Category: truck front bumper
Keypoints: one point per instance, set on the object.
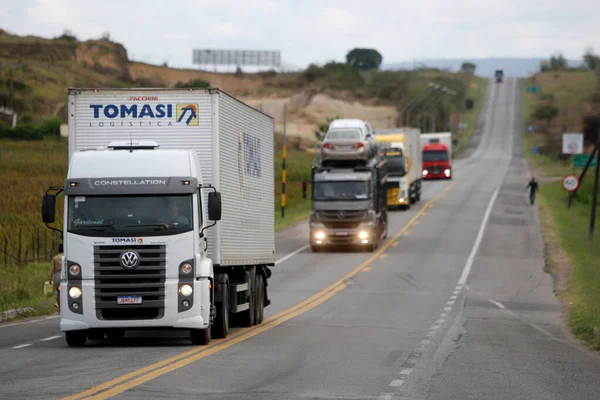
(196, 317)
(362, 235)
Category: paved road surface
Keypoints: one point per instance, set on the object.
(453, 306)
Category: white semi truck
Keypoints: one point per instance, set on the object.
(168, 213)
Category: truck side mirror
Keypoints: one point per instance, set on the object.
(48, 208)
(214, 206)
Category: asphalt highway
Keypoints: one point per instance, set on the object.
(454, 305)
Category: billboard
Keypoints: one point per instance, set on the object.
(237, 57)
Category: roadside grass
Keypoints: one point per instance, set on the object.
(22, 287)
(298, 169)
(571, 228)
(568, 227)
(475, 91)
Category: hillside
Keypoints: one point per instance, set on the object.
(35, 74)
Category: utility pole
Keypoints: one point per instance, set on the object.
(595, 196)
(283, 157)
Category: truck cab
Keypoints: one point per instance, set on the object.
(499, 74)
(436, 162)
(348, 207)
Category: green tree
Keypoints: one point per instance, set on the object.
(591, 59)
(545, 112)
(364, 59)
(468, 67)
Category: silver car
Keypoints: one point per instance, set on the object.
(349, 139)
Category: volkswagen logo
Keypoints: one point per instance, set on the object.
(341, 215)
(130, 259)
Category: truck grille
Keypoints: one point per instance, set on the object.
(147, 280)
(436, 170)
(343, 219)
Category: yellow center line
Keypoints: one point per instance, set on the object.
(122, 383)
(366, 269)
(382, 256)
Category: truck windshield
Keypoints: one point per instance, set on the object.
(396, 165)
(435, 155)
(341, 190)
(130, 215)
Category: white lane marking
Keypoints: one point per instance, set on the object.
(28, 322)
(497, 304)
(435, 327)
(50, 338)
(453, 297)
(425, 342)
(440, 321)
(459, 287)
(386, 396)
(467, 269)
(450, 302)
(405, 371)
(397, 382)
(447, 308)
(22, 345)
(292, 254)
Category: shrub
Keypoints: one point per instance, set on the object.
(195, 83)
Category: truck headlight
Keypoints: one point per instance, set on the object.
(75, 292)
(185, 290)
(186, 268)
(363, 234)
(320, 235)
(425, 172)
(74, 269)
(447, 172)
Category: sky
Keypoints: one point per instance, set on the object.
(311, 31)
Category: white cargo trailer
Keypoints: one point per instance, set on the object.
(150, 174)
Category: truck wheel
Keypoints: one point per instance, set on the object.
(260, 299)
(220, 329)
(200, 337)
(247, 317)
(419, 196)
(76, 338)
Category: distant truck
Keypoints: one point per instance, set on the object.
(169, 213)
(348, 206)
(402, 149)
(437, 155)
(499, 74)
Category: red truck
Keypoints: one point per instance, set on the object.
(437, 155)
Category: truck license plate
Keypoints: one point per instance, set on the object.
(129, 299)
(341, 233)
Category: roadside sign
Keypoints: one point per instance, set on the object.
(579, 161)
(572, 143)
(570, 183)
(533, 89)
(463, 125)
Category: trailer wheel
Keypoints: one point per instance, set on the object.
(76, 338)
(419, 195)
(221, 327)
(247, 317)
(200, 337)
(260, 299)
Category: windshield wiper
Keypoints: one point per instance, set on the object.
(97, 227)
(161, 226)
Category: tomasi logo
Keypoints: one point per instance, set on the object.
(187, 113)
(122, 115)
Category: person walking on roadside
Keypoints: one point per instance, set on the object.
(54, 278)
(533, 187)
